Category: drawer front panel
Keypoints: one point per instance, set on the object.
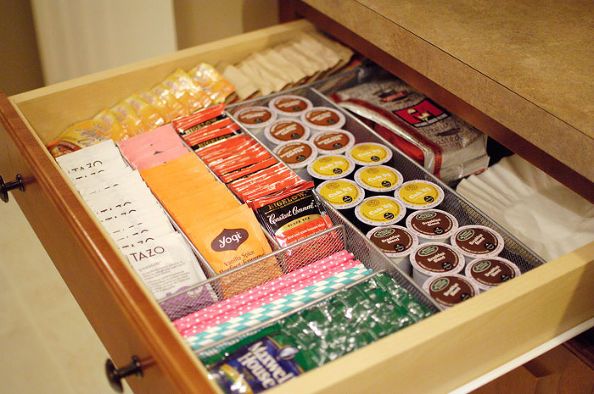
(121, 312)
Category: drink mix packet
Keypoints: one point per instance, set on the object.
(186, 92)
(213, 83)
(150, 116)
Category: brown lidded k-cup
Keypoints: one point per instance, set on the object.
(328, 167)
(396, 242)
(432, 225)
(477, 241)
(450, 289)
(323, 119)
(284, 130)
(255, 118)
(333, 142)
(289, 105)
(491, 272)
(296, 154)
(435, 258)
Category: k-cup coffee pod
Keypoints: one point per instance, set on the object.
(432, 225)
(255, 117)
(290, 105)
(378, 179)
(378, 211)
(296, 154)
(396, 242)
(284, 130)
(333, 142)
(477, 242)
(369, 154)
(435, 258)
(323, 119)
(491, 272)
(419, 194)
(342, 194)
(328, 167)
(450, 289)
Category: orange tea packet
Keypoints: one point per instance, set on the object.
(149, 114)
(128, 118)
(192, 96)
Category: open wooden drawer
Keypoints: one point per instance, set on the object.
(437, 354)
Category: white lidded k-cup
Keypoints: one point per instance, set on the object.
(255, 118)
(450, 289)
(432, 225)
(477, 241)
(491, 272)
(435, 258)
(289, 105)
(396, 242)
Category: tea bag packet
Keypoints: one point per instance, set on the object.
(130, 179)
(213, 83)
(189, 94)
(166, 265)
(151, 143)
(127, 229)
(103, 177)
(148, 114)
(98, 159)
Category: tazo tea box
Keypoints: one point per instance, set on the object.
(419, 194)
(290, 105)
(396, 242)
(433, 258)
(450, 289)
(432, 225)
(477, 242)
(491, 272)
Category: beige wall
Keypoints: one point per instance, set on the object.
(20, 69)
(200, 21)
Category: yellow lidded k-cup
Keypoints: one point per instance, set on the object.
(328, 167)
(369, 154)
(341, 193)
(379, 211)
(419, 194)
(378, 179)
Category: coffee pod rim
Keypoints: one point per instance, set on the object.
(360, 182)
(434, 237)
(439, 200)
(351, 205)
(368, 222)
(276, 141)
(430, 280)
(272, 119)
(280, 112)
(388, 157)
(312, 157)
(494, 253)
(336, 151)
(314, 127)
(345, 174)
(424, 271)
(483, 286)
(395, 254)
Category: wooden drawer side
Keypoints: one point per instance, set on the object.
(122, 313)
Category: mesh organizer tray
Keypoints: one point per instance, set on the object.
(463, 210)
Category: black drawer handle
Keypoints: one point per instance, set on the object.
(115, 375)
(5, 187)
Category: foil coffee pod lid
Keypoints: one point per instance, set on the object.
(491, 272)
(477, 241)
(378, 178)
(333, 142)
(450, 289)
(255, 117)
(435, 258)
(331, 167)
(432, 224)
(284, 130)
(296, 154)
(394, 241)
(369, 153)
(380, 211)
(419, 194)
(290, 105)
(341, 193)
(323, 118)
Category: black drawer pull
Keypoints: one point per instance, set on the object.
(115, 375)
(5, 187)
